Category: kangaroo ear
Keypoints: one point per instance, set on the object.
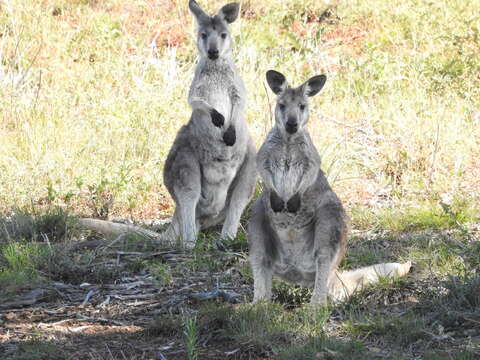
(230, 12)
(276, 81)
(314, 85)
(197, 10)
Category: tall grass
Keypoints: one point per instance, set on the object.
(93, 92)
(18, 265)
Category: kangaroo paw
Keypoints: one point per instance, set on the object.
(294, 203)
(229, 137)
(276, 202)
(217, 119)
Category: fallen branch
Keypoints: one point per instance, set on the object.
(87, 244)
(101, 320)
(28, 299)
(209, 295)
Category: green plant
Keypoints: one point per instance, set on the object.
(161, 272)
(290, 295)
(18, 265)
(38, 350)
(191, 337)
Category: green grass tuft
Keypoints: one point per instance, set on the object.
(38, 350)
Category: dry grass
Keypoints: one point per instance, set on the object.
(93, 93)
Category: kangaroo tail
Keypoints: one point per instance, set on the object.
(111, 229)
(345, 283)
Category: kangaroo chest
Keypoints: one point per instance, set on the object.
(218, 96)
(287, 166)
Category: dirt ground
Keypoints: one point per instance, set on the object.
(128, 298)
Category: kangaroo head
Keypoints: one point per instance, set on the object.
(291, 110)
(213, 39)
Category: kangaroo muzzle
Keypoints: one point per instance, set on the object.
(213, 54)
(292, 125)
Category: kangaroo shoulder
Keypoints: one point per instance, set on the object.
(269, 149)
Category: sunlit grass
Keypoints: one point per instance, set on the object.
(93, 94)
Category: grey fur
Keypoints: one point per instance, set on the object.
(210, 170)
(298, 228)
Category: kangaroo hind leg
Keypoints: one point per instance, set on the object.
(330, 243)
(261, 253)
(240, 194)
(186, 192)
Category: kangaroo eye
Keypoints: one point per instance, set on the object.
(203, 35)
(302, 107)
(224, 35)
(281, 107)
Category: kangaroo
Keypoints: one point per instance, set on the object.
(298, 229)
(210, 170)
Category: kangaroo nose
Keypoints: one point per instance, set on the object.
(292, 125)
(213, 54)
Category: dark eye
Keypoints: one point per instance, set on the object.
(224, 35)
(302, 107)
(281, 107)
(203, 35)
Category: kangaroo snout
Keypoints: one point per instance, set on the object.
(213, 54)
(292, 125)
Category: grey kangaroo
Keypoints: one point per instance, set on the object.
(298, 230)
(210, 171)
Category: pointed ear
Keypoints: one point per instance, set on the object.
(197, 11)
(276, 81)
(314, 85)
(229, 12)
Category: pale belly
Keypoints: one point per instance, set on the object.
(295, 262)
(220, 101)
(216, 182)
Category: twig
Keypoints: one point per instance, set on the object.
(79, 328)
(89, 295)
(472, 320)
(132, 297)
(269, 106)
(434, 155)
(119, 238)
(101, 320)
(335, 121)
(56, 322)
(84, 244)
(37, 91)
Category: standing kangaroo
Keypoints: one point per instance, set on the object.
(210, 170)
(298, 229)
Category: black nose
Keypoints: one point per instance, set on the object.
(213, 54)
(291, 126)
